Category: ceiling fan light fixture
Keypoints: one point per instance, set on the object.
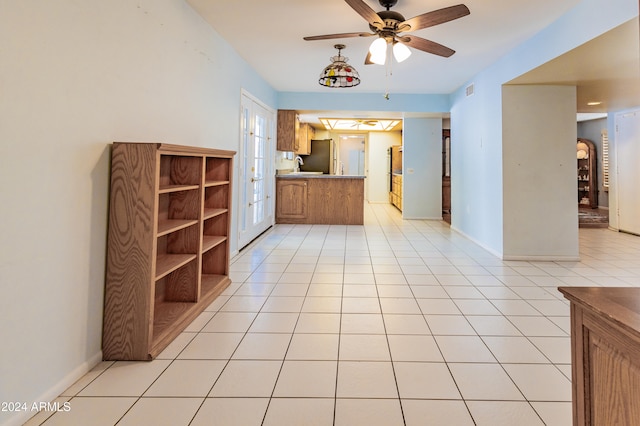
(339, 73)
(378, 59)
(390, 26)
(378, 50)
(378, 47)
(400, 51)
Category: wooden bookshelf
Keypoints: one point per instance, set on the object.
(168, 243)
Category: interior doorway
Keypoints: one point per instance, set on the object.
(446, 175)
(351, 154)
(627, 171)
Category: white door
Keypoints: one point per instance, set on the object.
(628, 172)
(256, 170)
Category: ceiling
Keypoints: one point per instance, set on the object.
(269, 36)
(611, 78)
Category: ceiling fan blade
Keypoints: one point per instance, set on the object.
(366, 12)
(427, 46)
(341, 35)
(367, 60)
(435, 17)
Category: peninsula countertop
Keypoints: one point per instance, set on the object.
(317, 176)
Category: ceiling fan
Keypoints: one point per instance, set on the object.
(358, 123)
(390, 25)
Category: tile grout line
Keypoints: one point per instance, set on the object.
(275, 383)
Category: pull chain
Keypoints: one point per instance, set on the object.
(388, 69)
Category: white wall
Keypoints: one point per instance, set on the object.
(422, 168)
(539, 172)
(76, 76)
(476, 165)
(476, 121)
(377, 167)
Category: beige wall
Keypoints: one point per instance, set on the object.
(75, 76)
(539, 172)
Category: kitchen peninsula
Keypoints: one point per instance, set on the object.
(319, 199)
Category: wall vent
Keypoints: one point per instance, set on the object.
(469, 89)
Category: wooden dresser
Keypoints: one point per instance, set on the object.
(605, 354)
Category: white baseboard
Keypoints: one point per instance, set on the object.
(489, 249)
(543, 258)
(51, 394)
(533, 258)
(421, 218)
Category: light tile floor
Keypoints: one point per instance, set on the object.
(391, 323)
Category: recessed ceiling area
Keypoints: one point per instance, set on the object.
(361, 125)
(605, 70)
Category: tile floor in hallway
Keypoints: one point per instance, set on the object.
(391, 323)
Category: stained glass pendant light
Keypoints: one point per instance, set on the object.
(339, 73)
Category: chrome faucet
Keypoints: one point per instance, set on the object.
(297, 163)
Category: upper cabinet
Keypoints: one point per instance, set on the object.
(288, 131)
(305, 135)
(292, 135)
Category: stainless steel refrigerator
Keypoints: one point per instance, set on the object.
(322, 158)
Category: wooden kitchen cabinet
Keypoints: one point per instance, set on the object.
(321, 199)
(291, 200)
(167, 243)
(605, 355)
(288, 131)
(396, 191)
(305, 135)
